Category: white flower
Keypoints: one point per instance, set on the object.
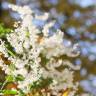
(46, 28)
(43, 17)
(3, 49)
(22, 10)
(35, 47)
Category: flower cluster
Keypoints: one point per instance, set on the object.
(36, 55)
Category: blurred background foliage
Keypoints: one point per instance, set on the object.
(77, 18)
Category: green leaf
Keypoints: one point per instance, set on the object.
(21, 93)
(41, 83)
(4, 31)
(10, 49)
(9, 92)
(20, 78)
(9, 78)
(11, 53)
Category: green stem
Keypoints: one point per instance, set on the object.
(3, 84)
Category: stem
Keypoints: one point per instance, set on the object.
(3, 84)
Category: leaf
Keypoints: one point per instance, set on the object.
(10, 49)
(9, 78)
(21, 93)
(9, 92)
(11, 53)
(42, 83)
(19, 78)
(4, 31)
